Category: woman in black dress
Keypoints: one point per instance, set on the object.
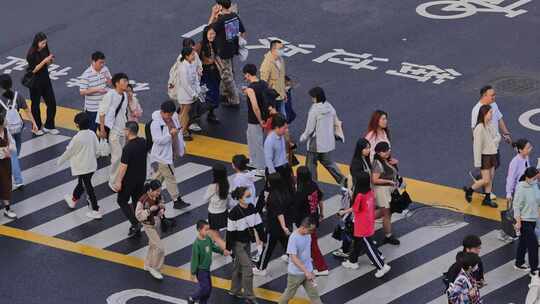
(39, 58)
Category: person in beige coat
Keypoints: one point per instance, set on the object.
(485, 147)
(149, 210)
(273, 72)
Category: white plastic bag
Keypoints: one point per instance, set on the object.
(243, 51)
(104, 149)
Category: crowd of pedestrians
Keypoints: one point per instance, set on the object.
(289, 208)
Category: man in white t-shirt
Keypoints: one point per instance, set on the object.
(487, 97)
(112, 118)
(94, 82)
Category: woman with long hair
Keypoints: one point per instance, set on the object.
(210, 75)
(378, 131)
(278, 223)
(217, 197)
(308, 203)
(485, 147)
(149, 208)
(188, 88)
(360, 161)
(384, 178)
(39, 58)
(7, 148)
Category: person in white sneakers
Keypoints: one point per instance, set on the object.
(364, 226)
(7, 147)
(82, 155)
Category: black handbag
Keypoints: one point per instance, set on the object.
(400, 201)
(28, 80)
(167, 223)
(508, 221)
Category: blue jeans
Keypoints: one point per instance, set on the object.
(15, 165)
(205, 287)
(92, 116)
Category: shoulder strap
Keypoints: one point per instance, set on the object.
(119, 106)
(4, 105)
(14, 101)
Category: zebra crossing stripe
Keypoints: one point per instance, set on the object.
(37, 144)
(108, 204)
(423, 274)
(43, 170)
(51, 196)
(118, 233)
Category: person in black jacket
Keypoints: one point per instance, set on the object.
(39, 58)
(242, 222)
(360, 161)
(278, 219)
(308, 203)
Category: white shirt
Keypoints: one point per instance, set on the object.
(216, 205)
(497, 115)
(91, 78)
(162, 151)
(81, 153)
(108, 106)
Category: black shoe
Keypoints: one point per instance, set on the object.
(468, 193)
(211, 118)
(188, 137)
(180, 204)
(235, 295)
(190, 300)
(488, 202)
(134, 231)
(391, 240)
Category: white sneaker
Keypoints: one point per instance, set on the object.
(259, 172)
(340, 254)
(10, 214)
(195, 127)
(70, 202)
(380, 273)
(349, 265)
(258, 272)
(94, 214)
(51, 131)
(492, 196)
(38, 133)
(285, 258)
(16, 187)
(156, 274)
(321, 273)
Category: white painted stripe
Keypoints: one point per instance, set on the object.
(108, 204)
(495, 279)
(409, 242)
(194, 31)
(118, 232)
(43, 170)
(37, 144)
(185, 237)
(52, 196)
(422, 274)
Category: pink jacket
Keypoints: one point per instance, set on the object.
(364, 214)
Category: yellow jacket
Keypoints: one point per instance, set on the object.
(274, 74)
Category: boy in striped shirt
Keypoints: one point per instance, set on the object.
(93, 86)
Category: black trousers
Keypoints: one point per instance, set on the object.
(84, 184)
(133, 192)
(271, 241)
(43, 90)
(373, 253)
(528, 243)
(286, 174)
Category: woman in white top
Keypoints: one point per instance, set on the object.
(485, 147)
(217, 197)
(82, 154)
(188, 87)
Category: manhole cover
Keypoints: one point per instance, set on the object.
(516, 85)
(435, 216)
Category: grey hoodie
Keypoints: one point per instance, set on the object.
(526, 201)
(319, 131)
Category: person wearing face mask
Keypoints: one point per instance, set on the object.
(188, 87)
(273, 72)
(526, 206)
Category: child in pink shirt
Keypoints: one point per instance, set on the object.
(364, 226)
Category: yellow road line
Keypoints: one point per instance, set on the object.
(127, 260)
(420, 191)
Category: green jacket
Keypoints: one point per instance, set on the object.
(201, 254)
(527, 201)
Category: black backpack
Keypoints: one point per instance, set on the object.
(148, 135)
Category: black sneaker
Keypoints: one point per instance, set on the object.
(488, 202)
(188, 137)
(468, 193)
(134, 231)
(180, 204)
(211, 118)
(391, 240)
(523, 267)
(235, 295)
